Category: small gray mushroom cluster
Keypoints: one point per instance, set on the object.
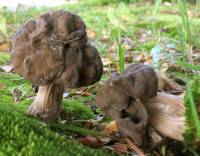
(123, 95)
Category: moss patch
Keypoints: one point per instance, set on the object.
(21, 135)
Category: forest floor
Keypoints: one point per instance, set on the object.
(151, 34)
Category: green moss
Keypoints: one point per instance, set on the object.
(21, 135)
(10, 81)
(75, 109)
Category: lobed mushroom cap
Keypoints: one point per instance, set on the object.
(92, 67)
(138, 81)
(121, 95)
(52, 49)
(21, 47)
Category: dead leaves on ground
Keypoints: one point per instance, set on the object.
(111, 128)
(109, 140)
(168, 85)
(123, 145)
(5, 46)
(93, 141)
(119, 148)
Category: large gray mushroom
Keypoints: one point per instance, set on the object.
(121, 98)
(52, 52)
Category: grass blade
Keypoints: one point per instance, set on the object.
(194, 114)
(189, 66)
(184, 18)
(121, 57)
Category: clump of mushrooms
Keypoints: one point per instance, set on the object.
(132, 100)
(122, 95)
(52, 52)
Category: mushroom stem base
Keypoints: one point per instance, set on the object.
(47, 104)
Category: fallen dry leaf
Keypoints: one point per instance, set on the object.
(111, 128)
(88, 124)
(105, 139)
(5, 46)
(119, 147)
(83, 93)
(7, 68)
(91, 34)
(134, 147)
(91, 141)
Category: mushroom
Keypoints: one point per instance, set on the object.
(121, 98)
(52, 52)
(166, 115)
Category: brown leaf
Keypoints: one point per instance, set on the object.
(135, 147)
(105, 140)
(91, 141)
(5, 46)
(88, 124)
(83, 93)
(111, 128)
(91, 34)
(119, 147)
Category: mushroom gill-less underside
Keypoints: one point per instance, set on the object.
(52, 52)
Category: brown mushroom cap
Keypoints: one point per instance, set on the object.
(21, 46)
(138, 81)
(52, 49)
(120, 97)
(92, 67)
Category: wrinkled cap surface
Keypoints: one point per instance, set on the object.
(121, 98)
(52, 49)
(138, 81)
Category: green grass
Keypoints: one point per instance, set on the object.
(192, 103)
(104, 2)
(121, 50)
